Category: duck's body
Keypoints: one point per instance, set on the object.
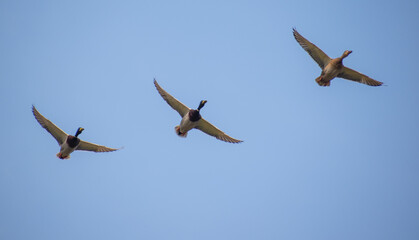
(332, 68)
(189, 121)
(65, 151)
(191, 118)
(68, 143)
(185, 125)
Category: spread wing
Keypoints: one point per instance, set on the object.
(353, 75)
(210, 129)
(316, 53)
(173, 102)
(55, 131)
(86, 146)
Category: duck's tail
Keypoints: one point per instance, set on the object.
(322, 83)
(177, 129)
(60, 156)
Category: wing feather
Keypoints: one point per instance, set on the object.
(316, 53)
(55, 131)
(173, 102)
(353, 75)
(86, 146)
(210, 129)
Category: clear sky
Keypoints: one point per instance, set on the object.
(340, 162)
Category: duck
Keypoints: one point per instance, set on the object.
(191, 118)
(332, 68)
(68, 143)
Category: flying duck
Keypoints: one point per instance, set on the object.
(191, 118)
(332, 68)
(68, 143)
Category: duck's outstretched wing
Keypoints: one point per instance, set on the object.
(86, 146)
(353, 75)
(316, 53)
(173, 102)
(55, 131)
(210, 129)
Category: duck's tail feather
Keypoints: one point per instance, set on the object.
(60, 156)
(177, 129)
(322, 83)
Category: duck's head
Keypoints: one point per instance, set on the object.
(201, 104)
(79, 130)
(346, 53)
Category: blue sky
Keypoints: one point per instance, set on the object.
(316, 163)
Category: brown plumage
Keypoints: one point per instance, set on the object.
(332, 68)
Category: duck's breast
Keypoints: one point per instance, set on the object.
(194, 115)
(332, 70)
(189, 121)
(72, 141)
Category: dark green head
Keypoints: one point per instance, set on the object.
(79, 130)
(201, 104)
